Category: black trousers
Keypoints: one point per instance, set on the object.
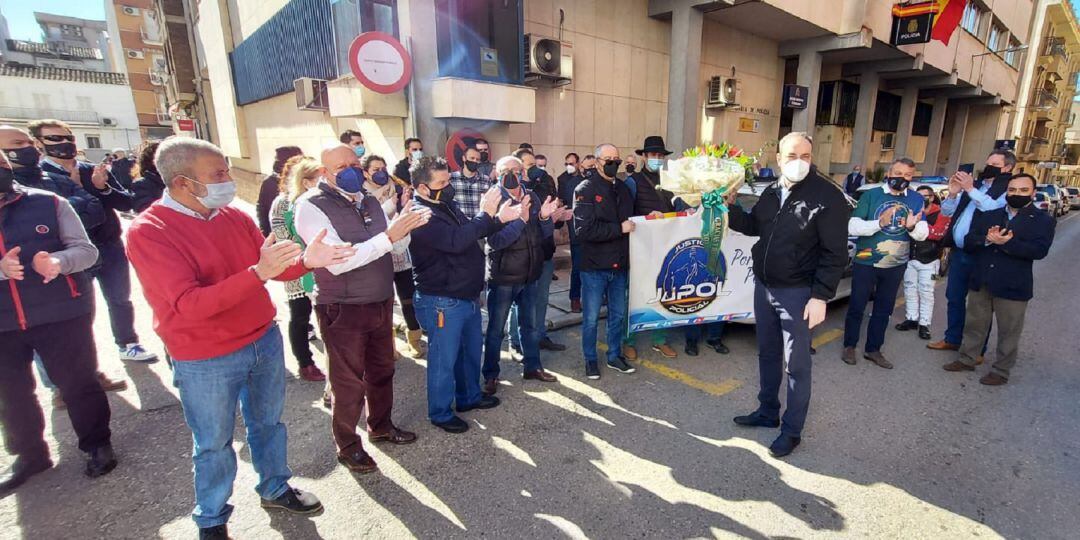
(70, 357)
(406, 288)
(299, 324)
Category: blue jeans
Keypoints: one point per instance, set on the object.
(961, 265)
(499, 300)
(711, 331)
(575, 274)
(540, 307)
(113, 274)
(594, 285)
(209, 390)
(881, 283)
(783, 345)
(454, 347)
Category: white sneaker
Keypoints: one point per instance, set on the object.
(136, 353)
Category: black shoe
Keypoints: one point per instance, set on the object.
(783, 445)
(102, 460)
(592, 371)
(691, 348)
(295, 501)
(907, 325)
(619, 364)
(718, 346)
(219, 532)
(486, 402)
(21, 471)
(453, 425)
(813, 351)
(924, 332)
(548, 345)
(756, 419)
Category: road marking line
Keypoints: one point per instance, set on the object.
(827, 337)
(716, 389)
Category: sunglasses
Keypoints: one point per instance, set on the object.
(58, 138)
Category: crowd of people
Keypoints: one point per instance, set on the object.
(346, 235)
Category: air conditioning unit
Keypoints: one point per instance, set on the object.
(128, 10)
(888, 141)
(723, 92)
(311, 94)
(548, 61)
(132, 53)
(108, 121)
(157, 78)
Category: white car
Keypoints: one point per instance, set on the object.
(1074, 197)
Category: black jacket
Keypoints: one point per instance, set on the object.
(268, 191)
(88, 207)
(522, 260)
(401, 170)
(544, 187)
(928, 251)
(803, 244)
(566, 186)
(600, 208)
(114, 197)
(121, 171)
(446, 255)
(1006, 269)
(146, 190)
(1001, 183)
(650, 197)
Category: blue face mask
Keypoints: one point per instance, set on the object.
(381, 177)
(350, 180)
(359, 150)
(654, 164)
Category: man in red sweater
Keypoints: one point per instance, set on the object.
(203, 266)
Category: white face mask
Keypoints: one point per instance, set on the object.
(795, 170)
(417, 154)
(570, 169)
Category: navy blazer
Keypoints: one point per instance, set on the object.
(1006, 269)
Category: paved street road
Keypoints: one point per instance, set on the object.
(914, 452)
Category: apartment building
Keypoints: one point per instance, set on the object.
(691, 70)
(138, 48)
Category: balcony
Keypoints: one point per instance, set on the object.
(75, 117)
(152, 37)
(158, 78)
(163, 118)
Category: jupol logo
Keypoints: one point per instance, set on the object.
(685, 284)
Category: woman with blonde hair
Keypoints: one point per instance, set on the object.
(299, 174)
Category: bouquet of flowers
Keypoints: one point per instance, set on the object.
(702, 177)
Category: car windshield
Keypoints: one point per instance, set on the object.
(1040, 196)
(1048, 189)
(1073, 191)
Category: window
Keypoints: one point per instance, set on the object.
(468, 30)
(93, 141)
(1012, 55)
(997, 40)
(972, 17)
(354, 17)
(837, 103)
(887, 112)
(923, 113)
(71, 30)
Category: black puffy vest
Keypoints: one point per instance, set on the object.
(522, 261)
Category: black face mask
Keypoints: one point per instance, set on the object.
(444, 195)
(7, 180)
(1017, 202)
(535, 173)
(928, 201)
(630, 168)
(990, 172)
(611, 168)
(472, 165)
(23, 157)
(510, 181)
(484, 157)
(65, 150)
(898, 183)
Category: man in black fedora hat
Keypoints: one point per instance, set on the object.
(650, 200)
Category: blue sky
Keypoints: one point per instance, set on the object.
(20, 14)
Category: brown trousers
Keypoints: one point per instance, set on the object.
(981, 310)
(359, 342)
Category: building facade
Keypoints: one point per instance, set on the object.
(138, 47)
(1045, 103)
(691, 70)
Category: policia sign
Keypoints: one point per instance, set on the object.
(912, 23)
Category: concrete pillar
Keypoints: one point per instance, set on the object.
(864, 119)
(684, 77)
(809, 75)
(956, 144)
(933, 141)
(907, 119)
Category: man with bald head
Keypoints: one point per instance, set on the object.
(354, 301)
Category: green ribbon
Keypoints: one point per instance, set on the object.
(713, 224)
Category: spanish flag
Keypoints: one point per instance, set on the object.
(949, 13)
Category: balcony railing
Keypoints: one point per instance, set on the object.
(1045, 99)
(163, 118)
(1055, 46)
(19, 113)
(152, 37)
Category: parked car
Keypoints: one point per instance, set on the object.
(1074, 197)
(1057, 202)
(1042, 201)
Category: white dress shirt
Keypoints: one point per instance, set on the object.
(309, 220)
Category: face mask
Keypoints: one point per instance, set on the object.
(65, 150)
(350, 180)
(536, 173)
(654, 164)
(570, 169)
(898, 183)
(1017, 202)
(359, 150)
(990, 172)
(630, 169)
(928, 201)
(217, 195)
(417, 154)
(510, 181)
(381, 177)
(27, 156)
(7, 180)
(484, 156)
(795, 170)
(472, 166)
(611, 168)
(444, 195)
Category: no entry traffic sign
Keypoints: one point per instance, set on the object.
(456, 145)
(380, 62)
